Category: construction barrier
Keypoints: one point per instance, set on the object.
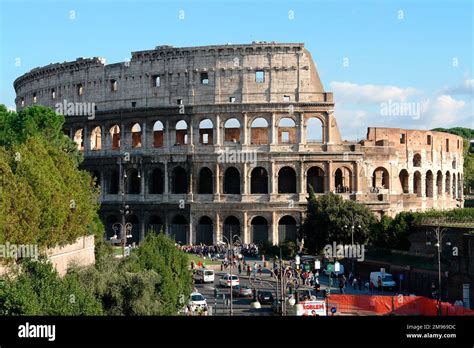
(391, 305)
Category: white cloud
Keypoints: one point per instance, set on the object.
(466, 88)
(446, 111)
(362, 94)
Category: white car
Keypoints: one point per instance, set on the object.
(386, 279)
(226, 280)
(197, 301)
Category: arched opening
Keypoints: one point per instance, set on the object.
(286, 131)
(115, 136)
(135, 231)
(155, 182)
(204, 231)
(179, 180)
(417, 184)
(96, 139)
(136, 135)
(113, 182)
(231, 228)
(155, 224)
(287, 229)
(158, 134)
(179, 229)
(453, 164)
(314, 130)
(206, 133)
(404, 183)
(109, 230)
(315, 179)
(447, 184)
(429, 184)
(232, 181)
(381, 178)
(181, 133)
(259, 131)
(205, 181)
(439, 183)
(287, 180)
(232, 130)
(343, 180)
(259, 181)
(133, 182)
(453, 185)
(259, 230)
(79, 139)
(459, 186)
(417, 160)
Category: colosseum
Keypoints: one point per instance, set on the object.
(227, 140)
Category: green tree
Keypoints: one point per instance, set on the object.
(329, 219)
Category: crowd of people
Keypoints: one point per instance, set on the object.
(214, 252)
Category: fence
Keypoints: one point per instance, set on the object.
(392, 305)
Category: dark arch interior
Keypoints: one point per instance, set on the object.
(180, 180)
(286, 180)
(259, 181)
(232, 181)
(205, 181)
(315, 179)
(156, 181)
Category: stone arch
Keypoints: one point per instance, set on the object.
(181, 130)
(115, 137)
(259, 230)
(179, 229)
(205, 181)
(179, 180)
(96, 139)
(155, 181)
(447, 185)
(259, 131)
(232, 130)
(287, 229)
(136, 131)
(206, 132)
(314, 130)
(429, 181)
(155, 224)
(315, 179)
(204, 231)
(439, 183)
(381, 178)
(417, 184)
(259, 181)
(343, 180)
(231, 227)
(133, 184)
(113, 182)
(79, 138)
(158, 134)
(232, 181)
(404, 181)
(286, 180)
(286, 131)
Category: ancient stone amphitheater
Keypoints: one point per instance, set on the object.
(226, 140)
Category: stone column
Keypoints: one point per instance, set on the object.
(217, 140)
(356, 180)
(190, 184)
(328, 136)
(329, 178)
(123, 137)
(302, 180)
(142, 230)
(423, 185)
(274, 229)
(217, 236)
(245, 228)
(86, 138)
(244, 127)
(191, 233)
(191, 135)
(411, 177)
(245, 180)
(103, 138)
(273, 179)
(302, 131)
(217, 183)
(167, 141)
(144, 136)
(273, 130)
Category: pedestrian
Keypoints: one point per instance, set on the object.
(317, 286)
(260, 270)
(248, 270)
(240, 268)
(354, 283)
(342, 284)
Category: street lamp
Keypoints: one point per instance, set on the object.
(439, 234)
(229, 246)
(352, 228)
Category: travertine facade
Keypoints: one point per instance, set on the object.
(224, 140)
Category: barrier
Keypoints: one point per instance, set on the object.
(392, 305)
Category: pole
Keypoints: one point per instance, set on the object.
(124, 233)
(352, 258)
(439, 238)
(231, 298)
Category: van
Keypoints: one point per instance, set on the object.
(204, 276)
(387, 280)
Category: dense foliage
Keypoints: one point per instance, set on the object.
(329, 219)
(45, 199)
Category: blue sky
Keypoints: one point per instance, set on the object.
(367, 52)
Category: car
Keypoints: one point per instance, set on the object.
(387, 280)
(197, 302)
(204, 276)
(242, 291)
(227, 281)
(265, 297)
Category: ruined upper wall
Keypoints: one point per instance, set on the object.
(230, 70)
